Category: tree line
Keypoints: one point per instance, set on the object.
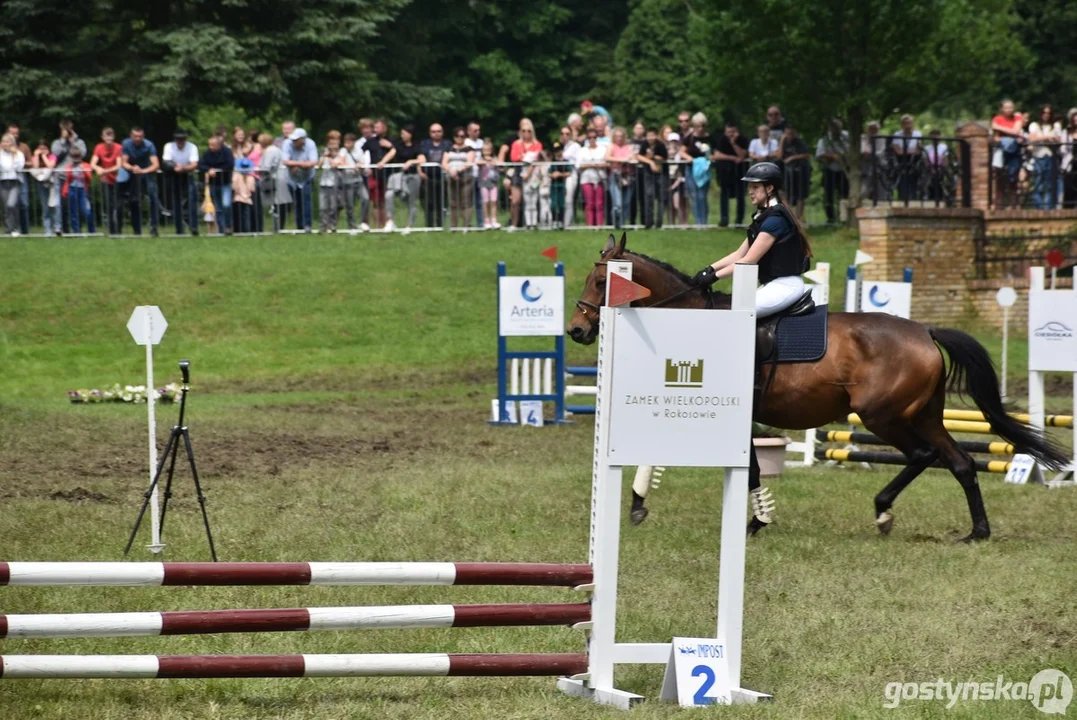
(327, 62)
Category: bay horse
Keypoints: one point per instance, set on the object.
(887, 369)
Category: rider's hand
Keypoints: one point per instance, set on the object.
(705, 277)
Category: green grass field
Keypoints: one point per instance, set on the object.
(340, 391)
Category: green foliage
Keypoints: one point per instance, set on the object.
(1045, 29)
(657, 68)
(150, 62)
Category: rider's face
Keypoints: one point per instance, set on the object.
(757, 192)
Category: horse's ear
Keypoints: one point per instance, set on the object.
(611, 243)
(621, 245)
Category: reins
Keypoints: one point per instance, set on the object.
(584, 306)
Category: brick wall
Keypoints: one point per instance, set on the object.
(939, 244)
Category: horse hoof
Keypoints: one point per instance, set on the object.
(973, 537)
(885, 522)
(755, 526)
(639, 515)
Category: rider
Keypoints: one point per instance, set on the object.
(776, 243)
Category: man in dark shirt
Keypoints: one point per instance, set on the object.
(730, 158)
(433, 148)
(652, 167)
(796, 157)
(776, 121)
(216, 165)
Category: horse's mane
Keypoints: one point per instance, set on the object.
(686, 279)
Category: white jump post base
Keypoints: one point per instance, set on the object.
(604, 652)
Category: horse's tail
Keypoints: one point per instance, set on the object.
(972, 372)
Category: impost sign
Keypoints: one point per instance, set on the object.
(682, 389)
(531, 306)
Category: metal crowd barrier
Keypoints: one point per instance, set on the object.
(540, 195)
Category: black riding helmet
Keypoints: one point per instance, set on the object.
(764, 172)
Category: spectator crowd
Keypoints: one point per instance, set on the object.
(594, 172)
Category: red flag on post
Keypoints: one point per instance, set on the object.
(550, 252)
(623, 291)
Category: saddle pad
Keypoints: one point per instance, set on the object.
(802, 338)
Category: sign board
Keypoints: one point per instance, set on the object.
(697, 673)
(1052, 330)
(532, 306)
(508, 412)
(678, 401)
(1022, 469)
(147, 325)
(892, 298)
(531, 413)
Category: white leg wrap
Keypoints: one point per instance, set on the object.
(762, 504)
(647, 477)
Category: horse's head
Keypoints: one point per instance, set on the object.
(583, 328)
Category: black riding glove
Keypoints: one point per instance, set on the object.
(705, 277)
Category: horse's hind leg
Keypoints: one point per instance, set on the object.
(963, 468)
(920, 454)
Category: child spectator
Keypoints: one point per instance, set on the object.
(533, 177)
(560, 172)
(488, 179)
(545, 218)
(354, 170)
(678, 200)
(42, 162)
(243, 192)
(330, 183)
(77, 190)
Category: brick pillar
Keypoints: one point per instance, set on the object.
(978, 135)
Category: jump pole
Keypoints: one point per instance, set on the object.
(202, 622)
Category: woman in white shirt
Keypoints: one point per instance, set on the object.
(763, 148)
(11, 164)
(591, 163)
(1045, 134)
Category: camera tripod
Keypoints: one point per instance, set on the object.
(172, 449)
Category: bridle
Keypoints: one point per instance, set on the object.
(583, 306)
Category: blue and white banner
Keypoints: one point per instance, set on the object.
(532, 306)
(892, 298)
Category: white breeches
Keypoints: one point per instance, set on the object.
(777, 295)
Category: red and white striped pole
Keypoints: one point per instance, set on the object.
(291, 573)
(290, 619)
(278, 666)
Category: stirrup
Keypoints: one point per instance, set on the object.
(762, 504)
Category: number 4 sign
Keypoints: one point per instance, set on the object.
(697, 673)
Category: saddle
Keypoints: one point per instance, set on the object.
(797, 334)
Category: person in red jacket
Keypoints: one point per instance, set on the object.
(76, 190)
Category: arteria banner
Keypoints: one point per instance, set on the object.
(531, 305)
(682, 387)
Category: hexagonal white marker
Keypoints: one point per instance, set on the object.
(1006, 297)
(147, 325)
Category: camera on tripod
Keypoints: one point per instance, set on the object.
(179, 432)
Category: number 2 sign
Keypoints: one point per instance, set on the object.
(697, 673)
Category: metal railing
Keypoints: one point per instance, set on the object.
(1031, 176)
(540, 195)
(1011, 255)
(916, 171)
